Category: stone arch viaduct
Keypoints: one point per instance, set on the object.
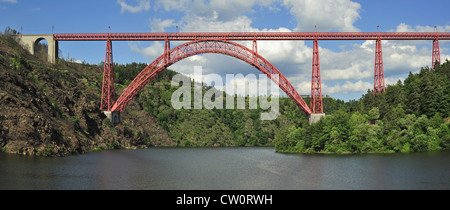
(30, 42)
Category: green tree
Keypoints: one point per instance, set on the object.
(281, 142)
(374, 114)
(444, 135)
(412, 84)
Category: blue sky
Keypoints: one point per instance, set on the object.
(346, 66)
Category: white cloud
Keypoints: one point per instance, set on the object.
(151, 52)
(286, 52)
(351, 64)
(211, 23)
(144, 5)
(403, 27)
(347, 87)
(401, 55)
(334, 14)
(326, 14)
(158, 25)
(226, 10)
(169, 5)
(10, 1)
(354, 71)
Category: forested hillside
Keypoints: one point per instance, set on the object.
(409, 117)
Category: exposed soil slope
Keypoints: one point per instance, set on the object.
(53, 109)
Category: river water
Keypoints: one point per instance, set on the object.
(240, 168)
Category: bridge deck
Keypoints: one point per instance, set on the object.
(252, 36)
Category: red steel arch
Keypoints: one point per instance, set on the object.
(171, 56)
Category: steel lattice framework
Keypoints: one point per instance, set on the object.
(188, 49)
(108, 79)
(436, 53)
(378, 77)
(219, 42)
(316, 84)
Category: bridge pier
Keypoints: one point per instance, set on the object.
(316, 84)
(436, 57)
(315, 117)
(114, 117)
(378, 78)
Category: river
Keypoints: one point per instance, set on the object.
(241, 168)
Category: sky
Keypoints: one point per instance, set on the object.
(346, 66)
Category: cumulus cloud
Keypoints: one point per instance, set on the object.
(334, 14)
(10, 1)
(347, 87)
(304, 87)
(212, 23)
(225, 10)
(403, 27)
(169, 5)
(326, 14)
(151, 52)
(286, 52)
(144, 5)
(158, 25)
(354, 71)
